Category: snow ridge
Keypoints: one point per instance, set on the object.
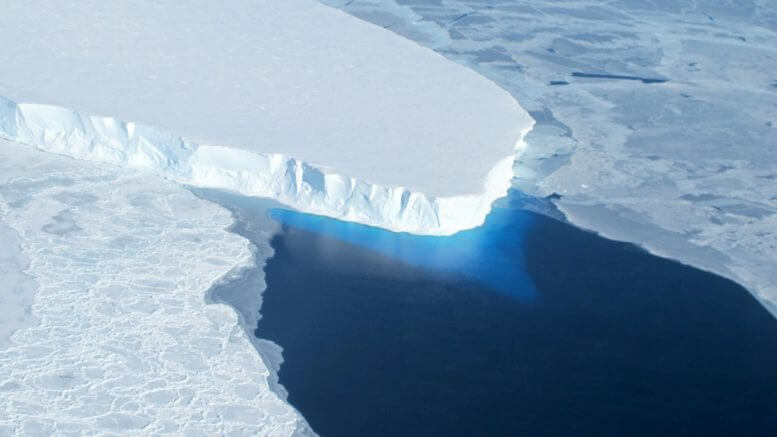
(298, 184)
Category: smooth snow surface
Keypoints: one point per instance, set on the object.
(390, 133)
(656, 121)
(126, 342)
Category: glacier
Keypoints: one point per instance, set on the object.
(293, 100)
(325, 113)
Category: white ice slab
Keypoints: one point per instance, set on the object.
(288, 77)
(16, 288)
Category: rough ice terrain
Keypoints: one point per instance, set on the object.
(126, 342)
(656, 121)
(292, 99)
(18, 288)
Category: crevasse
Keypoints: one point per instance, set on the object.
(300, 185)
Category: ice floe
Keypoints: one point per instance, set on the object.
(126, 342)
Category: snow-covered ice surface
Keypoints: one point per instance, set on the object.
(383, 130)
(126, 342)
(18, 288)
(656, 121)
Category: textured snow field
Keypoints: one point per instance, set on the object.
(388, 132)
(122, 261)
(18, 289)
(686, 168)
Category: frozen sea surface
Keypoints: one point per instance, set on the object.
(124, 340)
(18, 288)
(655, 120)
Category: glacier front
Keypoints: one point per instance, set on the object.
(291, 100)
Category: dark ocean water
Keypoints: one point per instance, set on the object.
(525, 326)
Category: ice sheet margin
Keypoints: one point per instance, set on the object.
(295, 183)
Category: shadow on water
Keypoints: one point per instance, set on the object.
(387, 334)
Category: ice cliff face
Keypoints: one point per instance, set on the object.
(291, 181)
(320, 110)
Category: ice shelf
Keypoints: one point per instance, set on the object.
(292, 100)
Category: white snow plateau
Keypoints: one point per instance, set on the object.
(291, 100)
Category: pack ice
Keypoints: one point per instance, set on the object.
(119, 337)
(291, 100)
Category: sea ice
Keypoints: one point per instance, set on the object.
(126, 342)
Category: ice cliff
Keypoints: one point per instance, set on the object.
(655, 121)
(275, 175)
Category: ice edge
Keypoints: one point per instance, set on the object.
(295, 183)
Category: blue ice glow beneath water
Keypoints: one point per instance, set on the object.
(387, 334)
(482, 254)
